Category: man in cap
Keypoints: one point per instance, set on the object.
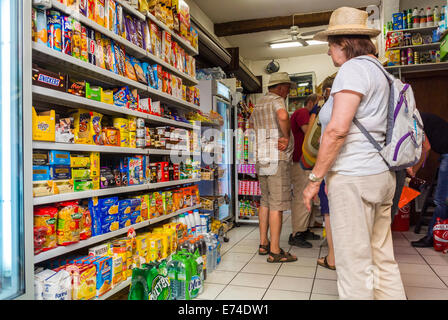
(270, 120)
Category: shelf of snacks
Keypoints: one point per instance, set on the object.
(42, 145)
(66, 99)
(419, 67)
(414, 30)
(129, 8)
(108, 192)
(61, 250)
(44, 54)
(70, 100)
(68, 63)
(138, 51)
(419, 46)
(184, 43)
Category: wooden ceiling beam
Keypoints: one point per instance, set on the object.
(227, 29)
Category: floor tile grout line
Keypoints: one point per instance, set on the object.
(238, 272)
(429, 265)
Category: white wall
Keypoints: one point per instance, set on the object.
(321, 64)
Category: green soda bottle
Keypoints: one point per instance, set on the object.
(139, 289)
(160, 285)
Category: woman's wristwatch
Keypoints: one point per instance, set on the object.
(313, 178)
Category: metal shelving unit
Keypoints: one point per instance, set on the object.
(60, 62)
(104, 237)
(131, 48)
(419, 46)
(108, 192)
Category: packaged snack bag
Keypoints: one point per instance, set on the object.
(84, 45)
(83, 7)
(86, 221)
(68, 224)
(76, 39)
(112, 16)
(140, 75)
(54, 30)
(91, 9)
(139, 33)
(130, 71)
(46, 217)
(100, 58)
(121, 22)
(67, 34)
(146, 26)
(100, 12)
(41, 27)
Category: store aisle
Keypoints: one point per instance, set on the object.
(244, 275)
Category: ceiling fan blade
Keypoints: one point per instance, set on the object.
(303, 42)
(281, 40)
(310, 33)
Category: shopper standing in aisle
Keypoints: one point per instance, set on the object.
(360, 185)
(300, 217)
(270, 120)
(436, 132)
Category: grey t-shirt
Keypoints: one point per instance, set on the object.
(358, 157)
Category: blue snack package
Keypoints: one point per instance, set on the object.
(121, 97)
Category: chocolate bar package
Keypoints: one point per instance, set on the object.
(48, 79)
(76, 87)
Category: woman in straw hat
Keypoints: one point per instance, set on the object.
(360, 185)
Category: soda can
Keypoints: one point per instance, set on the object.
(67, 34)
(91, 46)
(54, 29)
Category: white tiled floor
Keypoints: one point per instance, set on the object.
(245, 275)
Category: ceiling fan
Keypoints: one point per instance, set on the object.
(296, 36)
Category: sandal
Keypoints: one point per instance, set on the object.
(264, 247)
(277, 258)
(325, 264)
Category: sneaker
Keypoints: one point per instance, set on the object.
(299, 240)
(309, 235)
(425, 242)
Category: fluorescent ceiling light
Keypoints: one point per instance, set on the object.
(303, 84)
(295, 44)
(285, 45)
(315, 42)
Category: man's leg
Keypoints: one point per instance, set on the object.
(263, 217)
(263, 213)
(299, 215)
(275, 224)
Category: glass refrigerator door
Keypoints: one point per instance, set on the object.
(225, 185)
(12, 266)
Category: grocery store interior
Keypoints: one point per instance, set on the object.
(128, 167)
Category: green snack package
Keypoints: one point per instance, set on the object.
(93, 93)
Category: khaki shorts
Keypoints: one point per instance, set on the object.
(276, 188)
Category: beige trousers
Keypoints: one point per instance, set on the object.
(360, 223)
(299, 216)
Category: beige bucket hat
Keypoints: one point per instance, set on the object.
(347, 21)
(278, 78)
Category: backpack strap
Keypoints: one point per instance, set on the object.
(390, 79)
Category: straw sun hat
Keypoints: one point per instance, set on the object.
(278, 78)
(347, 21)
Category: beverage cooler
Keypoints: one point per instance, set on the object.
(16, 222)
(217, 148)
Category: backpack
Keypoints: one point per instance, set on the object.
(404, 133)
(310, 147)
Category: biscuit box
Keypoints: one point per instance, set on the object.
(48, 79)
(63, 186)
(100, 251)
(59, 158)
(103, 274)
(44, 124)
(84, 281)
(41, 173)
(60, 172)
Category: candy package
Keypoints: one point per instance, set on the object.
(130, 71)
(138, 70)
